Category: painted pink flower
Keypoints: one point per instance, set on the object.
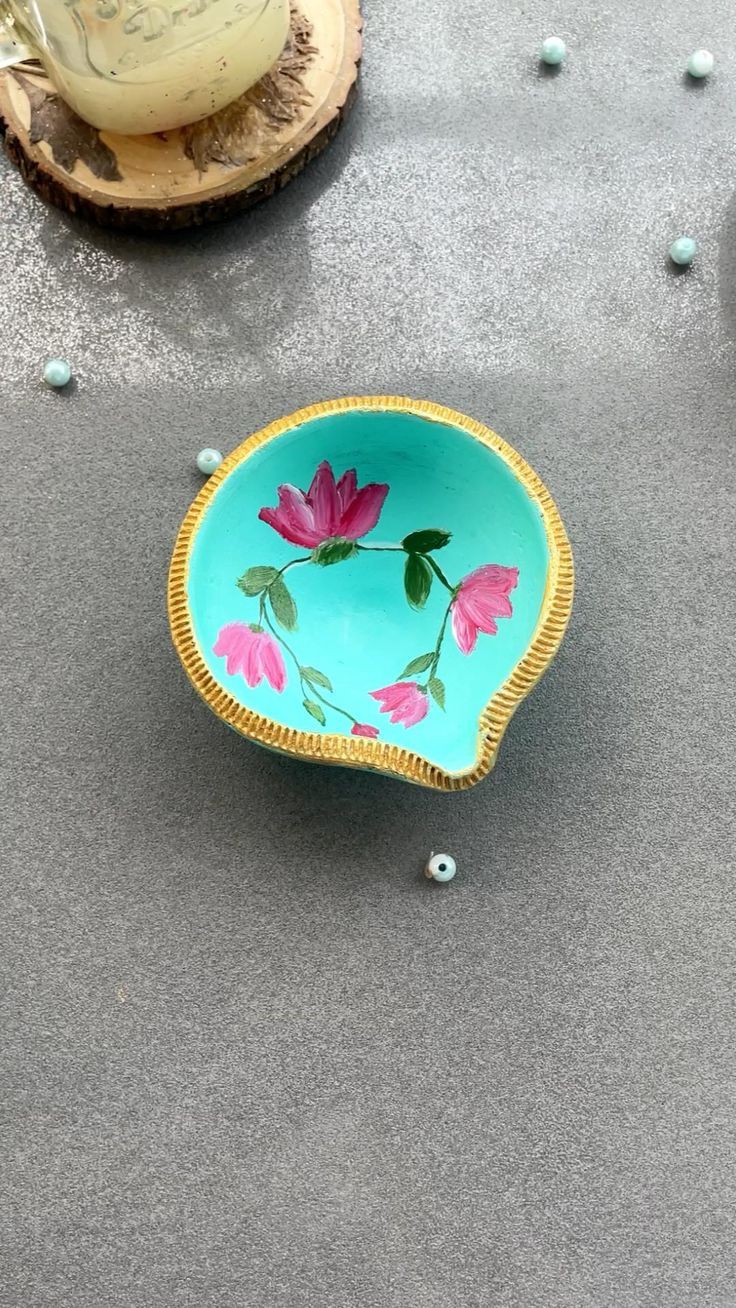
(327, 509)
(404, 701)
(364, 729)
(482, 597)
(252, 652)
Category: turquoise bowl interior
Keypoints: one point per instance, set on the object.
(353, 620)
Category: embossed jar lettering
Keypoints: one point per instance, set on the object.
(133, 68)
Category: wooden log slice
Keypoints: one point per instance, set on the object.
(206, 171)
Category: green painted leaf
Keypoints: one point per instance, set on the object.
(256, 580)
(437, 691)
(316, 678)
(284, 608)
(315, 711)
(334, 551)
(423, 542)
(417, 581)
(417, 665)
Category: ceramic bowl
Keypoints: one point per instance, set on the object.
(372, 582)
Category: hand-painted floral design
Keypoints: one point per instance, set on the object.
(329, 510)
(364, 729)
(482, 597)
(251, 651)
(329, 520)
(404, 700)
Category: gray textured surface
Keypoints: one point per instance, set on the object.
(250, 1059)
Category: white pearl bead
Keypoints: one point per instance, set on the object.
(683, 251)
(553, 50)
(57, 373)
(208, 460)
(441, 867)
(700, 63)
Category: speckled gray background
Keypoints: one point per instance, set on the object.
(250, 1058)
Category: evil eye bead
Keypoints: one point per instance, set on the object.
(441, 867)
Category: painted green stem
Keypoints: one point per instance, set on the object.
(381, 549)
(308, 690)
(428, 558)
(318, 695)
(440, 638)
(277, 635)
(432, 670)
(293, 564)
(439, 574)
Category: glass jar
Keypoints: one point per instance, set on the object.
(132, 67)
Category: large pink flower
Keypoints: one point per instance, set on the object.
(482, 597)
(404, 701)
(327, 509)
(254, 653)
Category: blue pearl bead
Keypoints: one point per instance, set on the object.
(683, 251)
(553, 50)
(57, 373)
(700, 63)
(208, 460)
(441, 867)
